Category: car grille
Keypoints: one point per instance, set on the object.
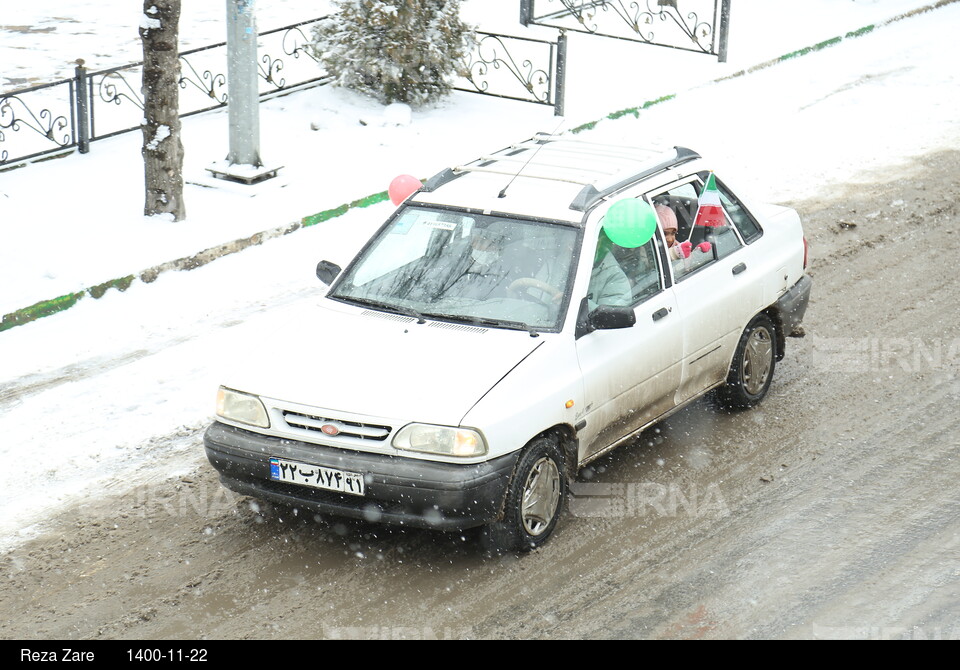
(338, 429)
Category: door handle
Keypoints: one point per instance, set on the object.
(660, 313)
(738, 268)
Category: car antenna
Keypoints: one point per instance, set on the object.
(503, 193)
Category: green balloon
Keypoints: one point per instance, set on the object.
(630, 223)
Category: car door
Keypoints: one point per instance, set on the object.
(715, 290)
(630, 375)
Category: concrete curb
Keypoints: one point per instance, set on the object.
(64, 302)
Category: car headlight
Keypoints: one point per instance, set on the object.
(242, 408)
(443, 440)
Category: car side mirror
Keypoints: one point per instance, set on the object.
(609, 317)
(327, 271)
(604, 317)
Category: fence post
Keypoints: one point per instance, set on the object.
(526, 12)
(724, 31)
(560, 75)
(83, 108)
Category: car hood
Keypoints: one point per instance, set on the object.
(378, 364)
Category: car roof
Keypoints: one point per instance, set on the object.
(548, 176)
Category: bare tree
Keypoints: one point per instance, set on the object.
(162, 149)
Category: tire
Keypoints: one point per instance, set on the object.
(534, 501)
(754, 362)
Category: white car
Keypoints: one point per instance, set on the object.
(514, 319)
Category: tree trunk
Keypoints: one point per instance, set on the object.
(162, 149)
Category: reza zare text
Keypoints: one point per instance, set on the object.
(61, 655)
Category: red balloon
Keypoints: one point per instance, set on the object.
(403, 187)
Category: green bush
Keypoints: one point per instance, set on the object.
(395, 50)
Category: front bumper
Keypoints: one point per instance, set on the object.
(402, 491)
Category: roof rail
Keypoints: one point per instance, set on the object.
(564, 159)
(590, 195)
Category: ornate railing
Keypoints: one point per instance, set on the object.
(46, 126)
(68, 114)
(517, 68)
(689, 25)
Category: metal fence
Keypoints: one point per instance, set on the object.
(55, 123)
(68, 115)
(699, 26)
(518, 68)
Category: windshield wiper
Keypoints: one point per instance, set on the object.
(486, 321)
(385, 306)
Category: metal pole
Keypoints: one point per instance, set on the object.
(724, 30)
(83, 108)
(242, 89)
(561, 73)
(526, 12)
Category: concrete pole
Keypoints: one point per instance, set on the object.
(242, 90)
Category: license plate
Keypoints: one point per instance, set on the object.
(316, 476)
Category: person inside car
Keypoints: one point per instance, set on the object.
(668, 223)
(677, 250)
(485, 265)
(608, 282)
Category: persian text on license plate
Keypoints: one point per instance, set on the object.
(316, 476)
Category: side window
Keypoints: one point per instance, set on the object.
(694, 245)
(748, 227)
(609, 284)
(677, 210)
(641, 269)
(682, 201)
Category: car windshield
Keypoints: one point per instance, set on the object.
(473, 268)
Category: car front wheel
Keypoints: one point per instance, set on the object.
(534, 500)
(753, 364)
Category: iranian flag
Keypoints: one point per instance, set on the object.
(709, 209)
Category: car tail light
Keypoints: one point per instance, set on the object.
(806, 252)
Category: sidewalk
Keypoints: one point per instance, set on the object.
(72, 228)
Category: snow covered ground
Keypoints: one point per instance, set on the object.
(112, 392)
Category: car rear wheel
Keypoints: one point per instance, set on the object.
(534, 500)
(753, 365)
